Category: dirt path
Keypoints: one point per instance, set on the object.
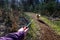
(46, 33)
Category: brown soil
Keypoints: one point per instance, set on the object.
(46, 32)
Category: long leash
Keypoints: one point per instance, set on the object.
(28, 26)
(30, 23)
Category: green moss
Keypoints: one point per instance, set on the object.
(54, 24)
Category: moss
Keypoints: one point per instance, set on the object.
(54, 24)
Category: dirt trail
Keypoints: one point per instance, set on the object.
(46, 33)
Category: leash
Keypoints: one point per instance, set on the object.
(29, 23)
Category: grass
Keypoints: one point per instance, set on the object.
(32, 30)
(54, 24)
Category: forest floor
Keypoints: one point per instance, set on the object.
(46, 32)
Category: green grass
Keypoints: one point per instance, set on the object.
(54, 24)
(32, 30)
